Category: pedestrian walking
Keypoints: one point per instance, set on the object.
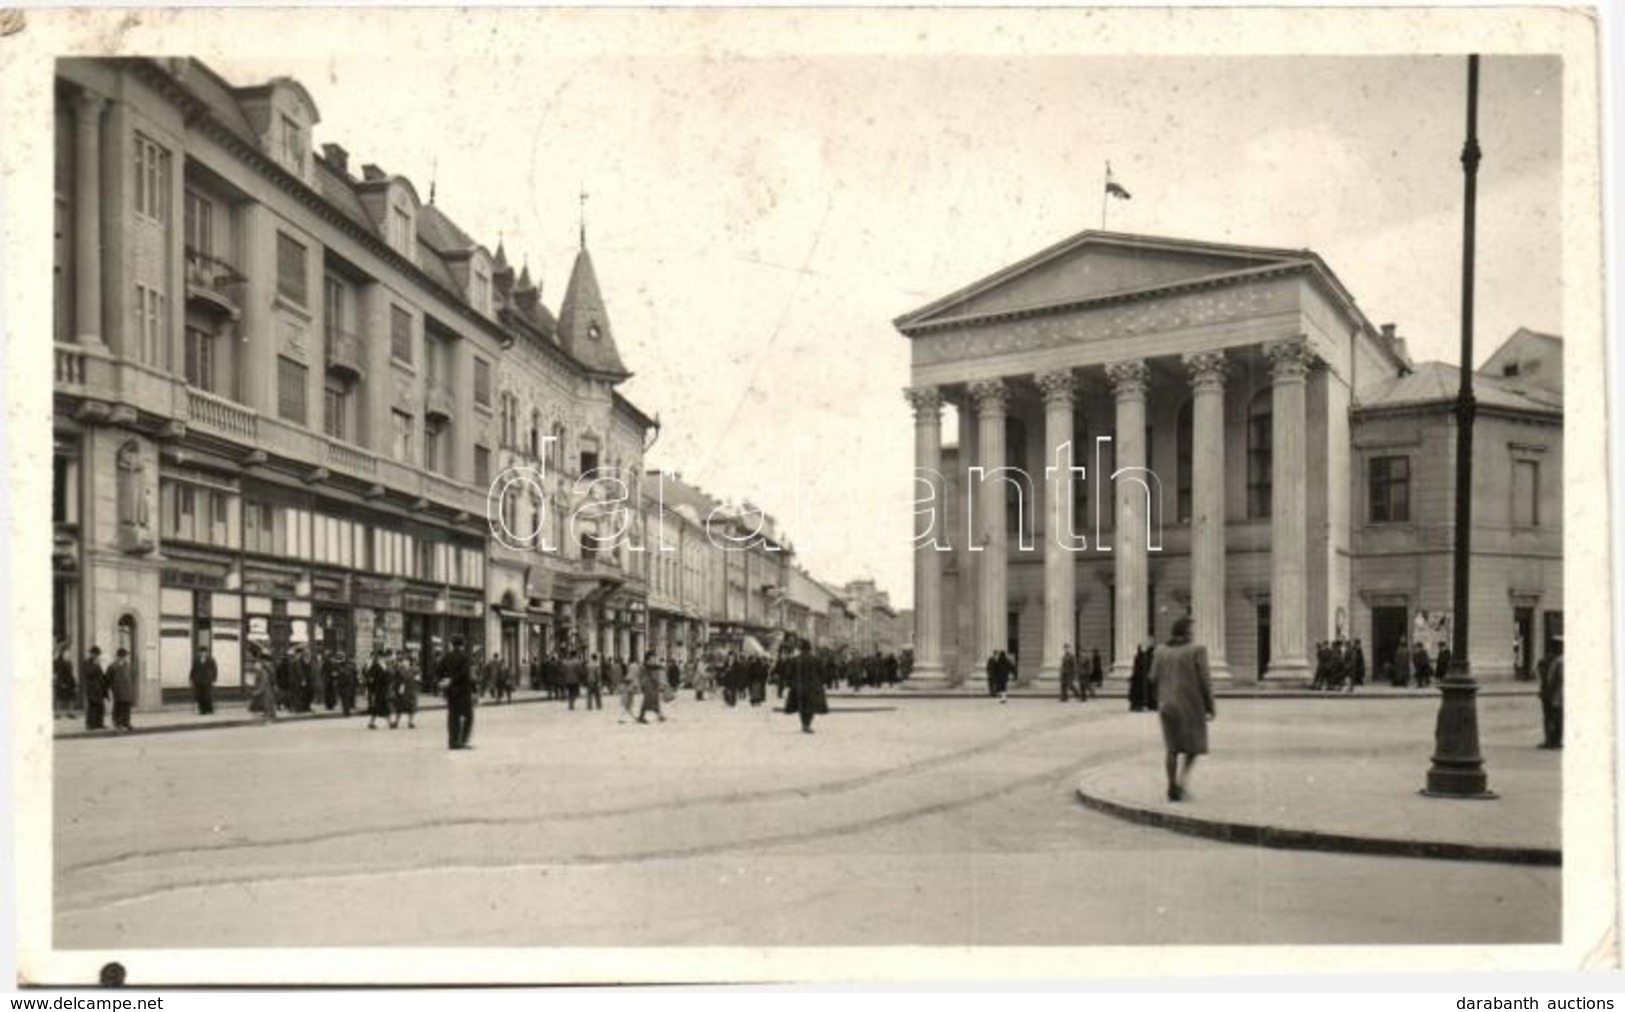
(122, 681)
(264, 684)
(1550, 670)
(806, 697)
(1070, 682)
(1137, 694)
(1179, 674)
(403, 694)
(63, 686)
(347, 678)
(456, 676)
(575, 672)
(378, 680)
(94, 681)
(595, 683)
(652, 688)
(205, 672)
(629, 685)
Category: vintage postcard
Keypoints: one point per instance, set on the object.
(793, 495)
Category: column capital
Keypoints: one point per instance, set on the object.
(1289, 359)
(1128, 378)
(926, 402)
(89, 104)
(1207, 369)
(992, 396)
(1059, 386)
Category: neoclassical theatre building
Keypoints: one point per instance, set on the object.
(1284, 471)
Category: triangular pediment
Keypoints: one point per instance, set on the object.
(1095, 265)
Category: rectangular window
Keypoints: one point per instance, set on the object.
(336, 409)
(199, 224)
(65, 489)
(403, 425)
(291, 389)
(149, 325)
(1525, 493)
(482, 291)
(151, 179)
(200, 358)
(482, 382)
(434, 438)
(332, 308)
(1388, 481)
(400, 229)
(482, 466)
(400, 334)
(290, 269)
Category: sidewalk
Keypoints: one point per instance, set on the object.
(1354, 790)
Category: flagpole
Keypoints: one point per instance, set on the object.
(1105, 196)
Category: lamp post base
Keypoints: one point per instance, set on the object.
(1458, 768)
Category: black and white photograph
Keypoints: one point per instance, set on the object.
(806, 495)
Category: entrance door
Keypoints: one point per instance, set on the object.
(129, 640)
(1263, 639)
(1523, 642)
(1012, 633)
(1389, 626)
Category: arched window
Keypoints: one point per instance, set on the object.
(1183, 439)
(1260, 455)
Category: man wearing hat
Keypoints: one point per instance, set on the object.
(1551, 696)
(94, 679)
(456, 673)
(203, 676)
(123, 690)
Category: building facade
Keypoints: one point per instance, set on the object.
(283, 389)
(1148, 428)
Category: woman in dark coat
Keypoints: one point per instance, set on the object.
(806, 681)
(1184, 688)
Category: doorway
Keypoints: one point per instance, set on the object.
(1389, 625)
(129, 639)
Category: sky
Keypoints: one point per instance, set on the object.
(757, 222)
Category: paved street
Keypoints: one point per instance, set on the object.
(900, 821)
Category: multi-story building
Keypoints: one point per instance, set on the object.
(283, 389)
(874, 620)
(1256, 454)
(685, 567)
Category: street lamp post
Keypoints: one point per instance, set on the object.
(1458, 768)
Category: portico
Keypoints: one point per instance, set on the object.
(1195, 386)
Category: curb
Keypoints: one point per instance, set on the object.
(1309, 839)
(254, 721)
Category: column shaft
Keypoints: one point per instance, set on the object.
(1131, 532)
(87, 219)
(992, 627)
(928, 531)
(1060, 574)
(1289, 501)
(968, 585)
(1207, 506)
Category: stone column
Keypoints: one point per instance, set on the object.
(1289, 502)
(1130, 534)
(1207, 371)
(1060, 574)
(87, 219)
(927, 405)
(968, 581)
(992, 631)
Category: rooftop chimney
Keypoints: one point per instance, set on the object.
(1388, 332)
(372, 173)
(337, 157)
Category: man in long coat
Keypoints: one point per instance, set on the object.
(94, 680)
(456, 673)
(205, 672)
(1184, 689)
(806, 697)
(651, 685)
(377, 689)
(122, 680)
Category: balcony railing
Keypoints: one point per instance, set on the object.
(345, 354)
(439, 403)
(228, 417)
(70, 365)
(213, 282)
(352, 459)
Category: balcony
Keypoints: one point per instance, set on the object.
(228, 418)
(438, 404)
(213, 284)
(345, 355)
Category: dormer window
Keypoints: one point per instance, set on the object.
(400, 229)
(481, 294)
(293, 145)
